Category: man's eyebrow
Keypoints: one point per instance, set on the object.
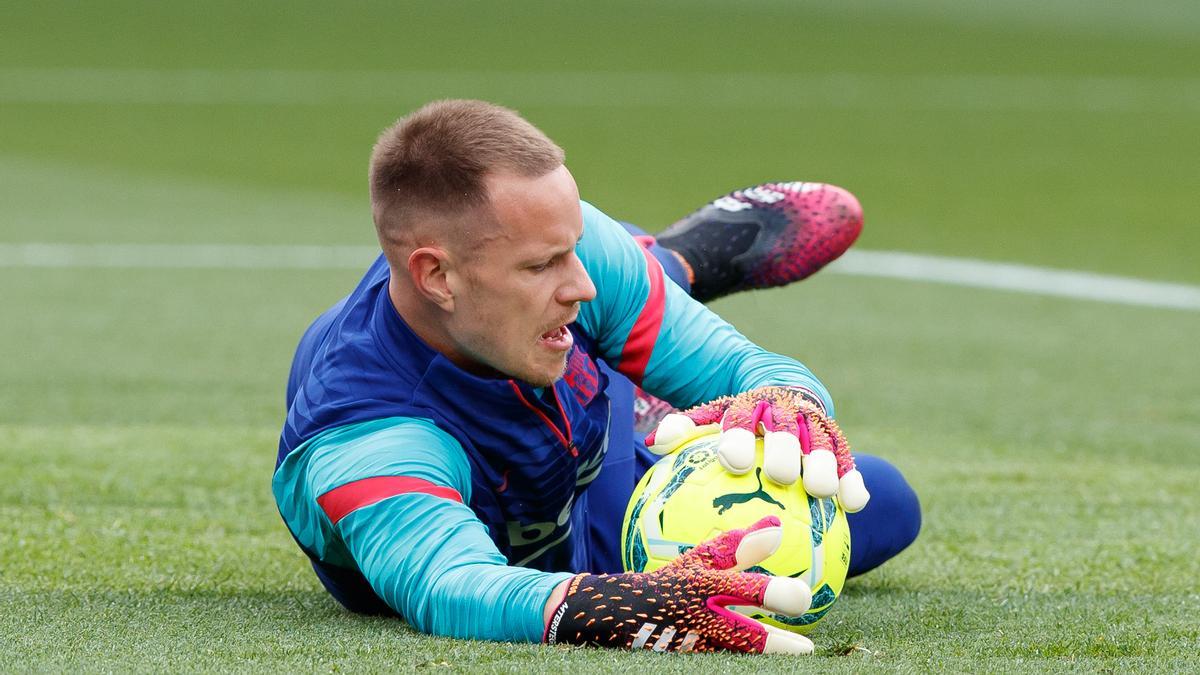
(577, 240)
(555, 254)
(572, 248)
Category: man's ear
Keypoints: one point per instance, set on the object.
(428, 268)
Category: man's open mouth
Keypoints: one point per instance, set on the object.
(558, 338)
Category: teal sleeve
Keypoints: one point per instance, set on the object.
(653, 332)
(428, 557)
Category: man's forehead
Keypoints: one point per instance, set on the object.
(535, 211)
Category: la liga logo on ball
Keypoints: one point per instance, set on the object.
(687, 497)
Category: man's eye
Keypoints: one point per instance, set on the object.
(542, 267)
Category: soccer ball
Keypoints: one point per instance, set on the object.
(688, 497)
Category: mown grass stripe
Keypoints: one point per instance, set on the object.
(606, 89)
(185, 256)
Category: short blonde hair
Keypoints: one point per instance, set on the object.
(433, 162)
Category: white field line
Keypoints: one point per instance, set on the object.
(603, 89)
(1018, 278)
(883, 264)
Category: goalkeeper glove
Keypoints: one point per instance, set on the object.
(686, 606)
(798, 437)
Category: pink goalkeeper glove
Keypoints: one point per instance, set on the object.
(689, 605)
(798, 437)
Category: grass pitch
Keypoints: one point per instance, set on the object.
(1053, 442)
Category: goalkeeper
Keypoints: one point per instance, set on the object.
(460, 443)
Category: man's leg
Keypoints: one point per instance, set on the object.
(767, 235)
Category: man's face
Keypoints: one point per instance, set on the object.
(516, 292)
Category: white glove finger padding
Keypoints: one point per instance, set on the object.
(787, 596)
(852, 492)
(672, 429)
(820, 474)
(780, 641)
(736, 450)
(790, 597)
(781, 457)
(757, 546)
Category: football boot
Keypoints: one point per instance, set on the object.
(763, 236)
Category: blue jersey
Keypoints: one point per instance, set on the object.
(396, 466)
(530, 451)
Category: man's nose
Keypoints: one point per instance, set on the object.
(580, 287)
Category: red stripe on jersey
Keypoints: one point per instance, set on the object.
(342, 500)
(636, 354)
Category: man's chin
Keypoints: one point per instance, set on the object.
(545, 377)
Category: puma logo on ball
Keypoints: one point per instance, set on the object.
(725, 502)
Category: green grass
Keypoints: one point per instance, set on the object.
(1053, 442)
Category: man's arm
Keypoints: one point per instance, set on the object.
(658, 336)
(680, 351)
(388, 497)
(380, 498)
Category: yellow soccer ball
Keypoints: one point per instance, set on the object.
(688, 497)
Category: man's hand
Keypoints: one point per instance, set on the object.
(798, 437)
(686, 606)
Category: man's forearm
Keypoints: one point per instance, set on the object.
(431, 561)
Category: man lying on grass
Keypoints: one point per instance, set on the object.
(460, 438)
